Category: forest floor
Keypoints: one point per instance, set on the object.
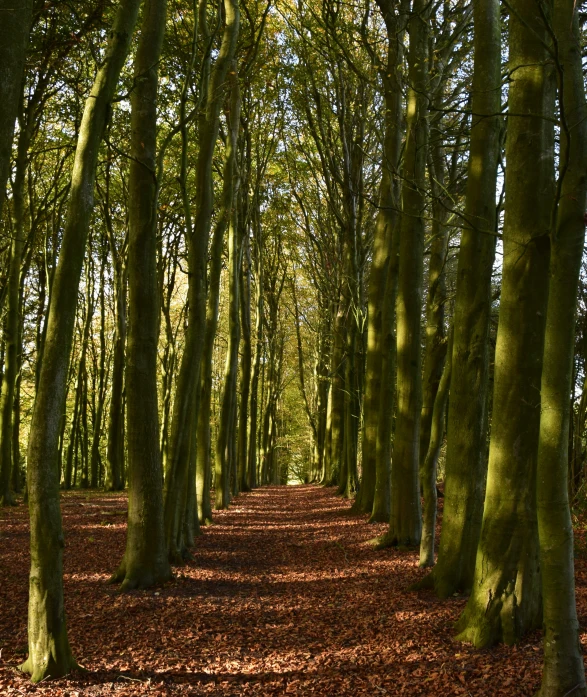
(283, 597)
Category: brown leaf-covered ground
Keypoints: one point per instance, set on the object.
(283, 597)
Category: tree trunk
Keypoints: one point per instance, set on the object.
(563, 670)
(197, 243)
(435, 352)
(405, 522)
(11, 333)
(14, 36)
(49, 651)
(245, 379)
(429, 468)
(254, 403)
(226, 434)
(505, 600)
(96, 435)
(467, 409)
(145, 560)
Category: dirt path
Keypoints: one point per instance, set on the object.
(282, 597)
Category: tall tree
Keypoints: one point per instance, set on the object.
(467, 410)
(563, 672)
(197, 245)
(49, 651)
(145, 559)
(405, 522)
(14, 33)
(505, 596)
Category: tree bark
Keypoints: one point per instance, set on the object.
(467, 409)
(405, 525)
(49, 651)
(505, 600)
(145, 560)
(14, 36)
(563, 670)
(430, 464)
(226, 434)
(197, 243)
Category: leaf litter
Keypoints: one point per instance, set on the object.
(283, 597)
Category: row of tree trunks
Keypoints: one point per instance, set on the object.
(177, 483)
(505, 598)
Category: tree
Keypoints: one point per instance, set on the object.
(563, 670)
(49, 651)
(14, 33)
(145, 560)
(505, 599)
(467, 411)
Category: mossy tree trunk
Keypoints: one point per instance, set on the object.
(467, 417)
(505, 599)
(388, 217)
(405, 519)
(436, 345)
(49, 651)
(563, 670)
(145, 560)
(374, 375)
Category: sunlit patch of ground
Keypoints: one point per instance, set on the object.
(282, 597)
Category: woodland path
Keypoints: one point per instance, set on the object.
(283, 597)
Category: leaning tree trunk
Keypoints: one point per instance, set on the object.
(505, 600)
(467, 409)
(145, 560)
(49, 651)
(563, 670)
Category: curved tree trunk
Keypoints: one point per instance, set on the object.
(49, 651)
(197, 243)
